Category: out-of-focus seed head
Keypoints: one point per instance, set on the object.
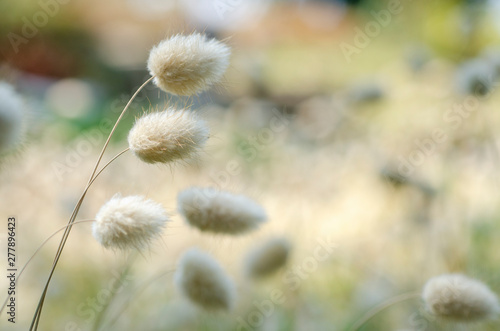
(203, 281)
(217, 211)
(457, 297)
(268, 257)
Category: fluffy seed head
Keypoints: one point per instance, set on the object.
(221, 212)
(129, 222)
(203, 281)
(267, 258)
(457, 297)
(169, 135)
(186, 65)
(11, 117)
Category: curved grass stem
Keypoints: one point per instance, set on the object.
(37, 315)
(386, 304)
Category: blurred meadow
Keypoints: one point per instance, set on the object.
(366, 129)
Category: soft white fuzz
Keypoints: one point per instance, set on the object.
(203, 281)
(11, 117)
(186, 65)
(217, 211)
(457, 297)
(129, 222)
(267, 258)
(169, 135)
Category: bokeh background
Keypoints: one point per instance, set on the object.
(387, 154)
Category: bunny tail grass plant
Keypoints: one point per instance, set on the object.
(181, 65)
(211, 210)
(129, 222)
(449, 297)
(203, 281)
(267, 258)
(186, 65)
(11, 117)
(459, 298)
(166, 136)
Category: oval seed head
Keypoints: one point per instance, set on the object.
(457, 297)
(216, 211)
(203, 281)
(166, 136)
(186, 65)
(267, 258)
(129, 222)
(11, 117)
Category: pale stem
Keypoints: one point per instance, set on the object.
(36, 318)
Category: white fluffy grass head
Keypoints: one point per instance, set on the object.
(203, 281)
(217, 211)
(186, 65)
(457, 297)
(166, 136)
(11, 117)
(267, 258)
(129, 222)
